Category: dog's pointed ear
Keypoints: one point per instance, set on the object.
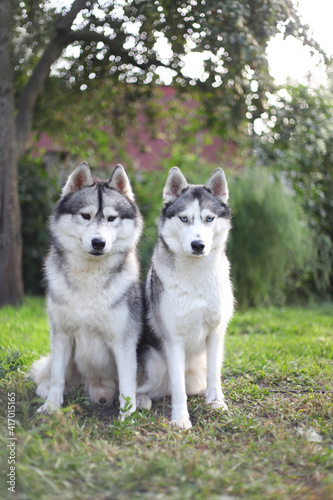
(120, 182)
(217, 185)
(174, 186)
(80, 178)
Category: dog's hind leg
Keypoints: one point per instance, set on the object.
(143, 402)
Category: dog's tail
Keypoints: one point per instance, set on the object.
(40, 372)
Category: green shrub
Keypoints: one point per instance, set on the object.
(298, 143)
(148, 187)
(270, 244)
(39, 192)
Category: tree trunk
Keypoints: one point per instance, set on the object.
(15, 132)
(11, 284)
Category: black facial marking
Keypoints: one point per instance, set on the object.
(220, 208)
(125, 207)
(205, 198)
(72, 203)
(99, 214)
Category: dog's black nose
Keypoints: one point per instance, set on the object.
(197, 246)
(98, 244)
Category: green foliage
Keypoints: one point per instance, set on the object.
(230, 35)
(94, 124)
(39, 191)
(32, 28)
(9, 362)
(24, 329)
(298, 141)
(148, 189)
(269, 243)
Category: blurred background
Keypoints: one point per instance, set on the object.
(244, 85)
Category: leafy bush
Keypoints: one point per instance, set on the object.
(270, 244)
(298, 142)
(9, 362)
(39, 192)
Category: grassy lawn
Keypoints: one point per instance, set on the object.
(275, 443)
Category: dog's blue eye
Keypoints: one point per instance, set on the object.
(183, 219)
(111, 218)
(86, 216)
(209, 218)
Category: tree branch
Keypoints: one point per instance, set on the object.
(34, 85)
(32, 89)
(62, 39)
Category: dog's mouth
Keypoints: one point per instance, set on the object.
(96, 254)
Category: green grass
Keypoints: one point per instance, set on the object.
(25, 329)
(277, 379)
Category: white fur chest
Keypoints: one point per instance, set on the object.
(197, 298)
(83, 301)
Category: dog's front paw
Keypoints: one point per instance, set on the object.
(181, 423)
(50, 406)
(219, 404)
(143, 402)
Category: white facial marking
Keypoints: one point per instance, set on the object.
(195, 231)
(98, 237)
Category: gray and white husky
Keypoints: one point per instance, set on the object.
(94, 300)
(188, 296)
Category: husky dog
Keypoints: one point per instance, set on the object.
(94, 300)
(188, 296)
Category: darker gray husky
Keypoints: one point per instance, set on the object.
(94, 297)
